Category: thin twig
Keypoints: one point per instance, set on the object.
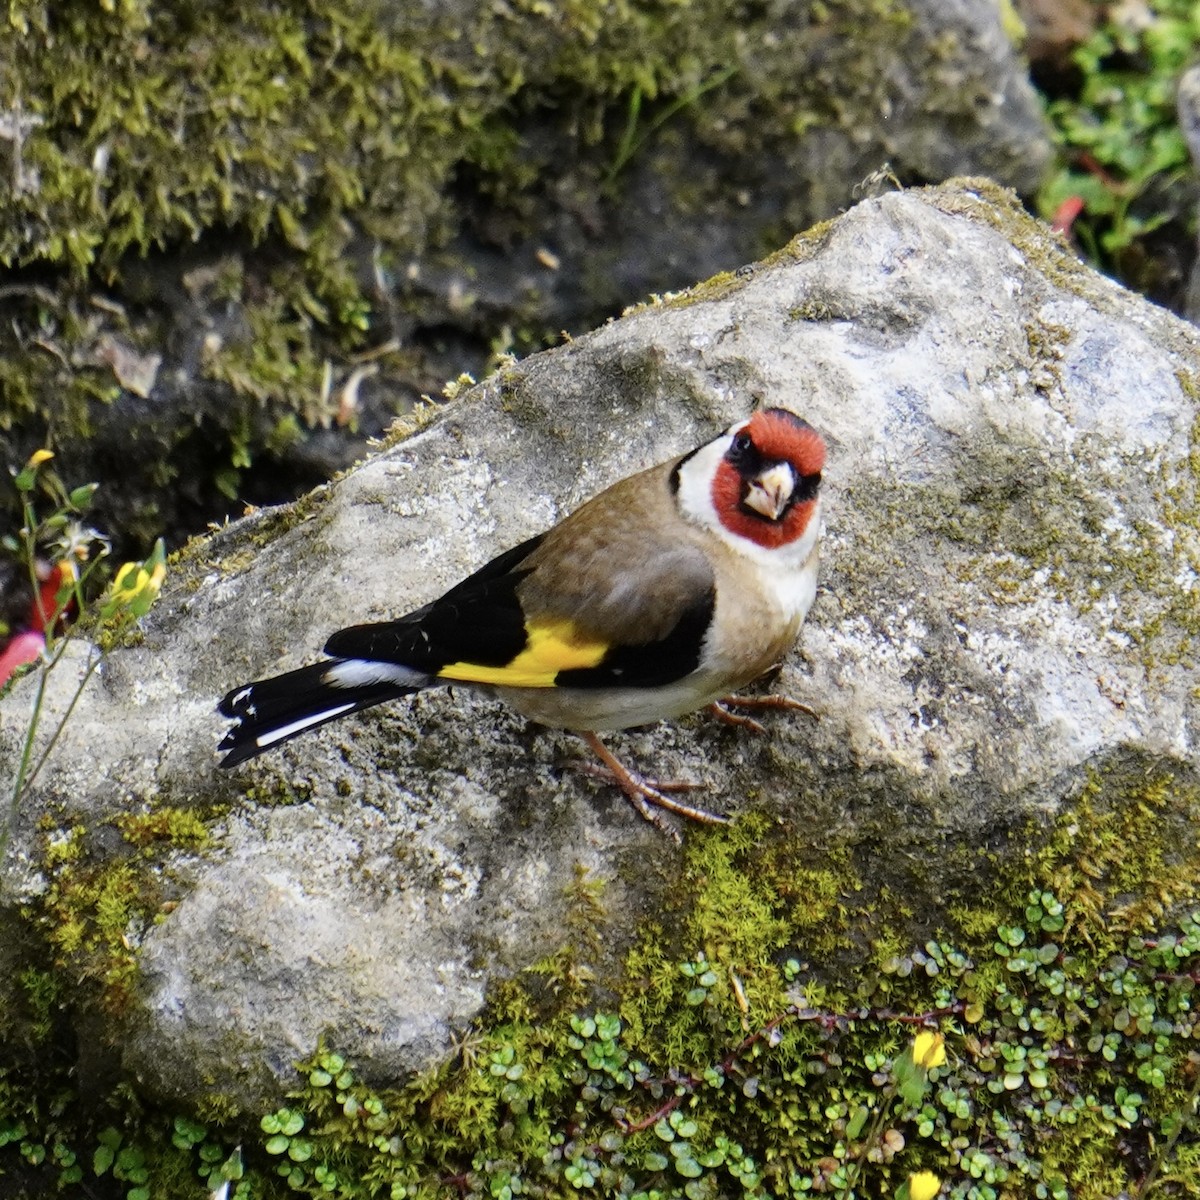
(851, 1179)
(23, 766)
(1185, 1119)
(94, 659)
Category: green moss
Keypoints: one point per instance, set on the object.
(95, 906)
(410, 425)
(758, 1046)
(813, 310)
(986, 201)
(283, 120)
(275, 792)
(713, 1072)
(180, 827)
(189, 566)
(42, 995)
(286, 139)
(87, 915)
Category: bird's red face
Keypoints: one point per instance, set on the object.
(765, 487)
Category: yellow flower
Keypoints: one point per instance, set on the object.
(929, 1050)
(137, 585)
(37, 458)
(130, 580)
(924, 1185)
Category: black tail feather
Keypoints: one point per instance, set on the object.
(304, 698)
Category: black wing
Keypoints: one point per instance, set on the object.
(478, 620)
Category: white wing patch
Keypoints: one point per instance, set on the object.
(362, 672)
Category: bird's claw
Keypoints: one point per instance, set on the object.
(607, 775)
(721, 709)
(726, 717)
(648, 796)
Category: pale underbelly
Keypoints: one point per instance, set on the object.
(616, 708)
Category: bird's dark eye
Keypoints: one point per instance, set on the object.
(742, 454)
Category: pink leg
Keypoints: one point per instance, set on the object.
(644, 793)
(720, 709)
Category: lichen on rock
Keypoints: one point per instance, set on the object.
(996, 804)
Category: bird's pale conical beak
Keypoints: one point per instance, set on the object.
(770, 492)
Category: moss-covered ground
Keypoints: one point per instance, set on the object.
(758, 1040)
(221, 209)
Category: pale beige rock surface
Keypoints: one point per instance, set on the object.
(1009, 602)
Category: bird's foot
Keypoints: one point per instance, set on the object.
(648, 796)
(721, 710)
(608, 775)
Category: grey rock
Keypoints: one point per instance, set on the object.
(819, 112)
(1009, 603)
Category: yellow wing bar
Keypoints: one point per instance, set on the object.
(549, 648)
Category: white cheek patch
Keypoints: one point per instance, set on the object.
(364, 672)
(695, 481)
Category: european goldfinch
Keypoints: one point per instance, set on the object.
(664, 593)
